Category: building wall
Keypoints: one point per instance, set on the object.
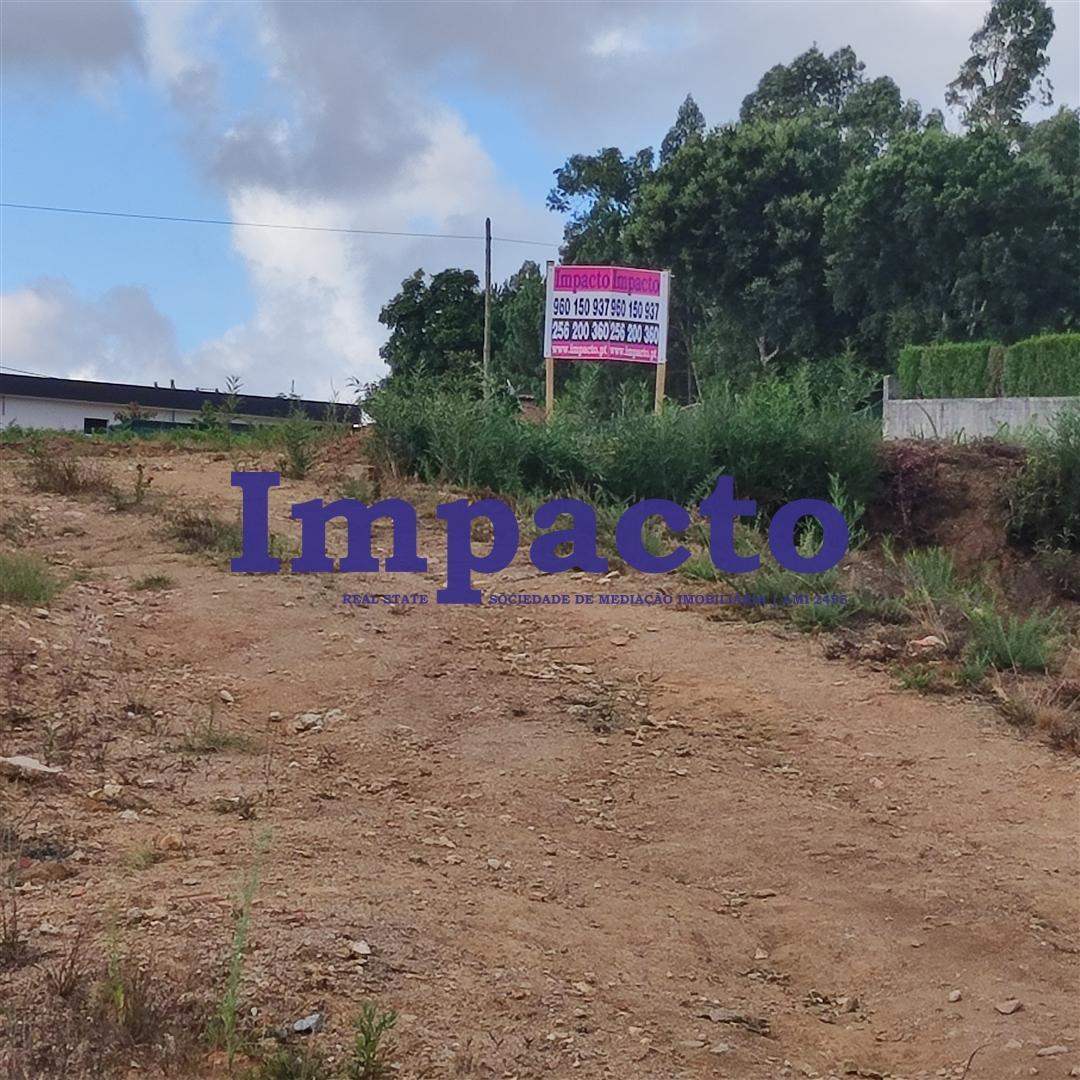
(966, 418)
(29, 412)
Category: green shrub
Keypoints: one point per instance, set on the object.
(1044, 500)
(26, 580)
(920, 677)
(908, 371)
(154, 582)
(995, 371)
(780, 438)
(1043, 366)
(1014, 643)
(930, 574)
(296, 436)
(948, 369)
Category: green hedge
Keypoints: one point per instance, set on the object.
(1043, 366)
(951, 369)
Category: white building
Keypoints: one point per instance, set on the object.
(32, 401)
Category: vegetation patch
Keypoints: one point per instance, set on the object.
(25, 579)
(1044, 500)
(45, 471)
(202, 532)
(153, 582)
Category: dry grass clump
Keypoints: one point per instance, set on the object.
(65, 475)
(1052, 710)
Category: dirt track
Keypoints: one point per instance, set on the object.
(567, 835)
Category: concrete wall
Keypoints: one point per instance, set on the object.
(965, 418)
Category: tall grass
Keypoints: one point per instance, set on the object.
(1020, 644)
(225, 1030)
(780, 439)
(51, 472)
(26, 580)
(1044, 501)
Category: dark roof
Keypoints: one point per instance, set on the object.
(158, 397)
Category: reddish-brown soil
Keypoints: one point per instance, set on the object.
(568, 835)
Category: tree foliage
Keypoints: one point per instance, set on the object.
(689, 124)
(598, 192)
(1005, 72)
(738, 216)
(951, 239)
(832, 219)
(437, 325)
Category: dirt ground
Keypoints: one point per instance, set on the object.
(592, 841)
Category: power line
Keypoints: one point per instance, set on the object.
(20, 371)
(267, 224)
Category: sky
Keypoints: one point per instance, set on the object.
(404, 116)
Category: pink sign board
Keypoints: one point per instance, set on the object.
(617, 313)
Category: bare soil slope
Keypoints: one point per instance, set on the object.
(592, 842)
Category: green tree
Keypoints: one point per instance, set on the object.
(1006, 70)
(435, 327)
(738, 215)
(689, 124)
(518, 328)
(1056, 142)
(598, 192)
(833, 90)
(952, 238)
(811, 81)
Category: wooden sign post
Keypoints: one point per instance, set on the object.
(549, 387)
(661, 376)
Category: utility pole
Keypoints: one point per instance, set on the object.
(487, 307)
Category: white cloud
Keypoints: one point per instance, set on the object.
(318, 295)
(618, 41)
(45, 328)
(168, 29)
(362, 141)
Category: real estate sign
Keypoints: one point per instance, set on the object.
(606, 313)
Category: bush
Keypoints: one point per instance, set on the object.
(46, 471)
(296, 435)
(930, 574)
(370, 1050)
(26, 580)
(949, 369)
(780, 439)
(292, 1064)
(1044, 500)
(200, 531)
(1013, 643)
(1043, 366)
(155, 582)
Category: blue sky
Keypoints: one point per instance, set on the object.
(395, 116)
(128, 154)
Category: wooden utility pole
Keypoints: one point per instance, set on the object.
(487, 307)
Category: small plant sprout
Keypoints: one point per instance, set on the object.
(370, 1050)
